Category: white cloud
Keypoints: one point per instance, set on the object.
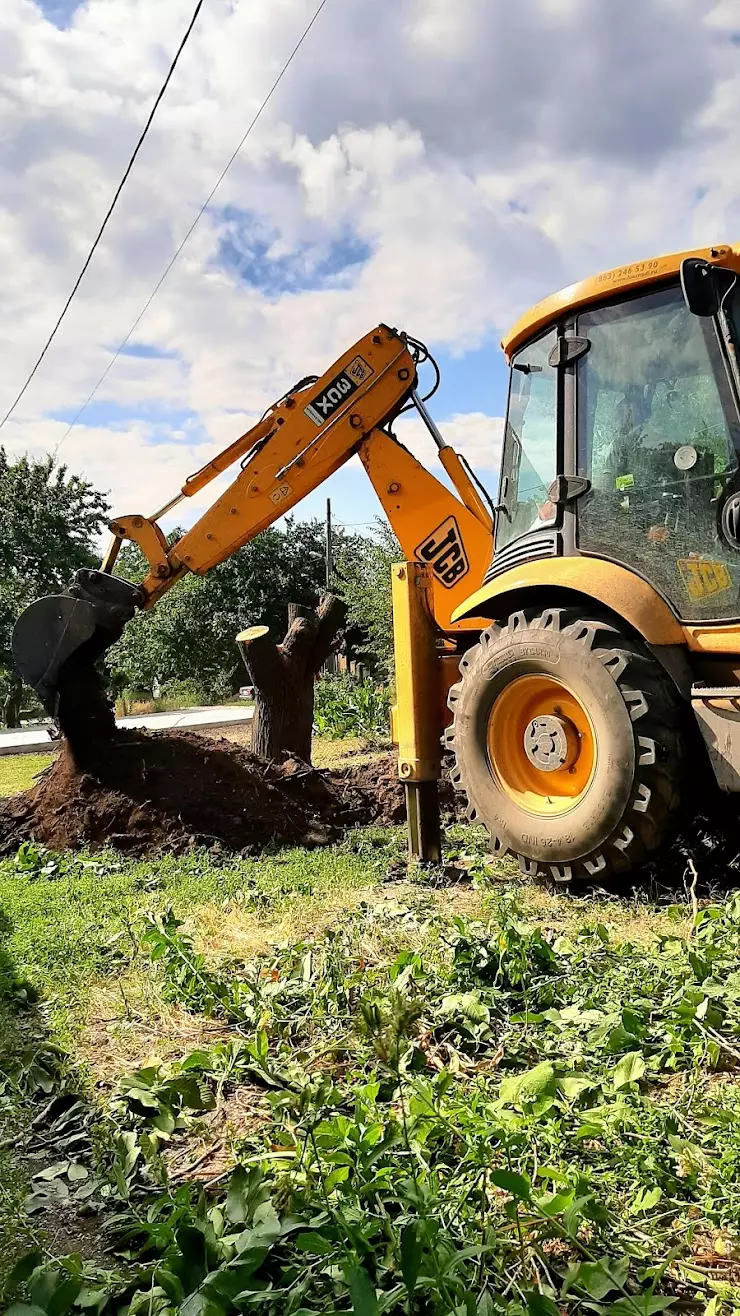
(473, 435)
(481, 154)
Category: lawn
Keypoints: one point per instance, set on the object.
(317, 1081)
(17, 771)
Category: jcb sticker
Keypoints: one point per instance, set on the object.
(702, 577)
(359, 370)
(335, 393)
(282, 492)
(444, 551)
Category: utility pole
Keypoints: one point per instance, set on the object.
(328, 544)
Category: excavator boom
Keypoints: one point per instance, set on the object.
(299, 442)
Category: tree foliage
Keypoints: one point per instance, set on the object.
(191, 633)
(364, 579)
(50, 522)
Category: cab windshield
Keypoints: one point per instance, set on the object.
(530, 444)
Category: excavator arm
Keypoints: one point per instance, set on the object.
(299, 442)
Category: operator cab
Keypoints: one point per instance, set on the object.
(623, 430)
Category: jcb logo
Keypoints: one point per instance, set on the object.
(444, 552)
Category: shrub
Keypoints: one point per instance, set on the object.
(345, 706)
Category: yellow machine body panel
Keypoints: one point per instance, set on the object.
(623, 592)
(623, 279)
(713, 639)
(432, 526)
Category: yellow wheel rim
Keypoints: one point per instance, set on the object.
(541, 745)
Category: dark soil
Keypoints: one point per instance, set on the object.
(148, 792)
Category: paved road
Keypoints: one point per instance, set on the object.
(37, 739)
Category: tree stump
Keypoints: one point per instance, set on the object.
(283, 676)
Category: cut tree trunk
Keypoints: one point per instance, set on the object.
(283, 676)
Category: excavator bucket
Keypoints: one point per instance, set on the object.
(57, 641)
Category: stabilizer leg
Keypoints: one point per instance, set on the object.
(418, 713)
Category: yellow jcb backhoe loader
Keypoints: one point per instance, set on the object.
(584, 632)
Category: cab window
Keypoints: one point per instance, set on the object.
(655, 438)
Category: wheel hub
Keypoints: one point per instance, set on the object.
(541, 744)
(551, 743)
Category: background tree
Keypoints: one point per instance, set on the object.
(50, 521)
(191, 633)
(363, 570)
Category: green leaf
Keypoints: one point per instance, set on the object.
(315, 1243)
(411, 1254)
(164, 1121)
(247, 1192)
(24, 1309)
(646, 1200)
(597, 1278)
(64, 1296)
(629, 1070)
(642, 1304)
(534, 1083)
(553, 1204)
(236, 1197)
(572, 1085)
(24, 1268)
(540, 1305)
(362, 1292)
(77, 1172)
(519, 1185)
(340, 1175)
(53, 1171)
(91, 1297)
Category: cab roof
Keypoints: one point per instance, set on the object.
(601, 287)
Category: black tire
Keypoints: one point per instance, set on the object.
(629, 809)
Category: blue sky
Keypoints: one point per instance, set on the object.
(59, 12)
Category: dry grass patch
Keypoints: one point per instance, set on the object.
(129, 1026)
(636, 920)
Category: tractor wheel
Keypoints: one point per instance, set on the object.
(569, 744)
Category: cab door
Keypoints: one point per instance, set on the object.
(658, 440)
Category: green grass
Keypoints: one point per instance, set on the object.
(481, 1099)
(497, 1100)
(17, 771)
(70, 916)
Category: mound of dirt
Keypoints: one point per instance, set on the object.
(148, 792)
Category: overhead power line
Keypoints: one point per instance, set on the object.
(111, 208)
(198, 217)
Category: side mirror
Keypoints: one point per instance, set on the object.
(701, 287)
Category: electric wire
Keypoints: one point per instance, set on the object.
(198, 217)
(111, 208)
